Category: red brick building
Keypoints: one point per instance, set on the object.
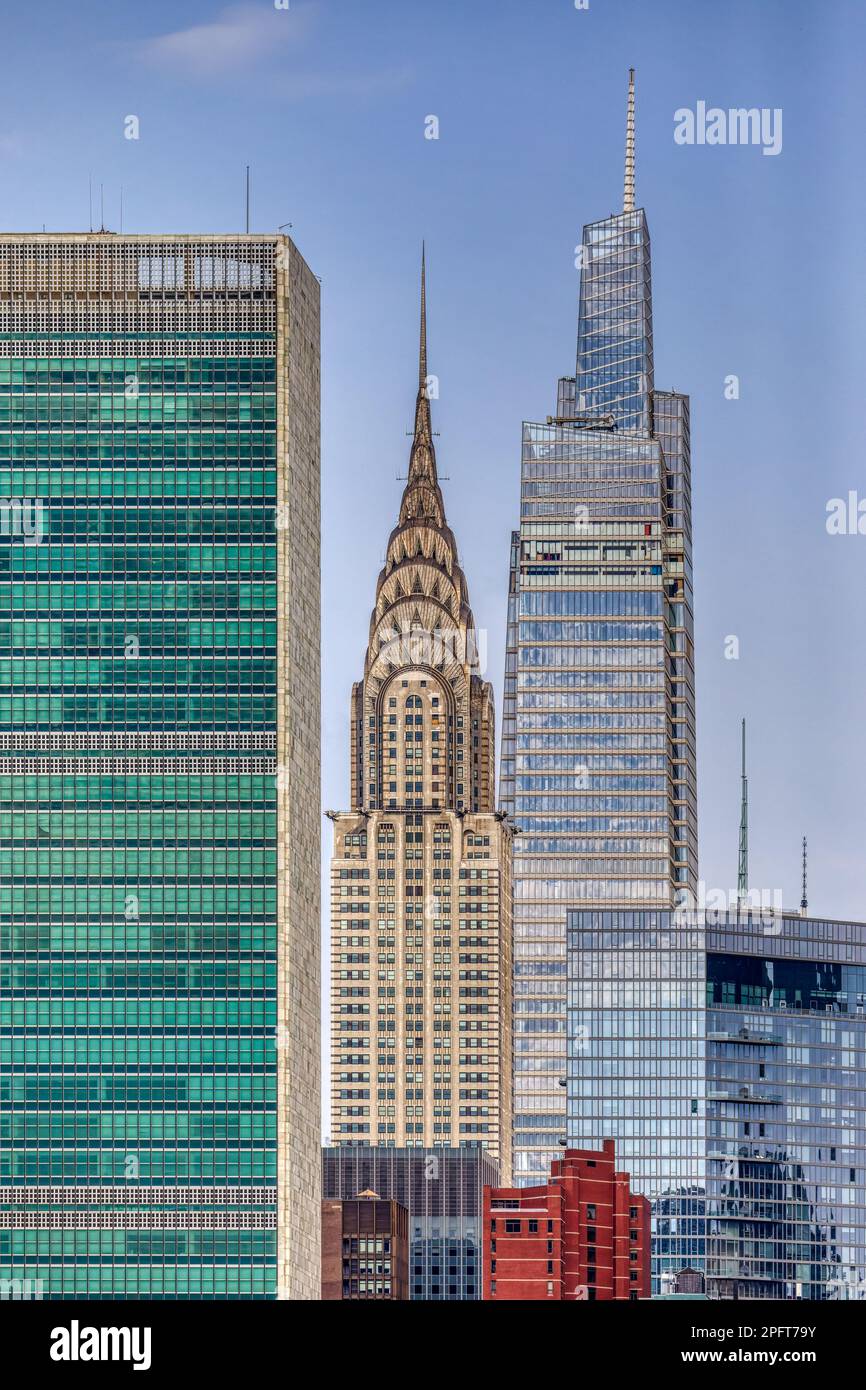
(580, 1236)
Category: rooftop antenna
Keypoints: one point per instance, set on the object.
(628, 180)
(90, 198)
(743, 871)
(102, 207)
(248, 199)
(121, 209)
(804, 901)
(422, 342)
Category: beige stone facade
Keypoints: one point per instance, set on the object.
(298, 779)
(421, 1013)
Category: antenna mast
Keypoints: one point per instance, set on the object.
(804, 901)
(743, 870)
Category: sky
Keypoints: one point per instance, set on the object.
(758, 273)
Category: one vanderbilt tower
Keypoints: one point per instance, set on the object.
(421, 874)
(598, 754)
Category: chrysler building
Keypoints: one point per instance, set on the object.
(421, 872)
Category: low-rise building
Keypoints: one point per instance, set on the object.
(365, 1249)
(582, 1235)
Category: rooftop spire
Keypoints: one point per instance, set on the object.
(422, 496)
(423, 427)
(628, 181)
(422, 346)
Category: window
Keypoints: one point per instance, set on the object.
(533, 1227)
(512, 1228)
(590, 1211)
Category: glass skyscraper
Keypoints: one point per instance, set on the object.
(159, 767)
(724, 1053)
(443, 1192)
(598, 764)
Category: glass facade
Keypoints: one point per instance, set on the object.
(723, 1054)
(614, 374)
(786, 1112)
(138, 795)
(598, 763)
(637, 1066)
(443, 1190)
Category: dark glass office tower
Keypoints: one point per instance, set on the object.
(598, 750)
(159, 767)
(725, 1054)
(443, 1192)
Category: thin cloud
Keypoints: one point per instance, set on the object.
(240, 37)
(248, 37)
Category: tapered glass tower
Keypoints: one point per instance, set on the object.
(159, 767)
(598, 750)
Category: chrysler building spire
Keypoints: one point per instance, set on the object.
(422, 497)
(422, 346)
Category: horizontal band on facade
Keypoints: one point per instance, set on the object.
(86, 741)
(116, 1195)
(166, 345)
(138, 1221)
(175, 763)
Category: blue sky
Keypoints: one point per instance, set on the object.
(758, 272)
